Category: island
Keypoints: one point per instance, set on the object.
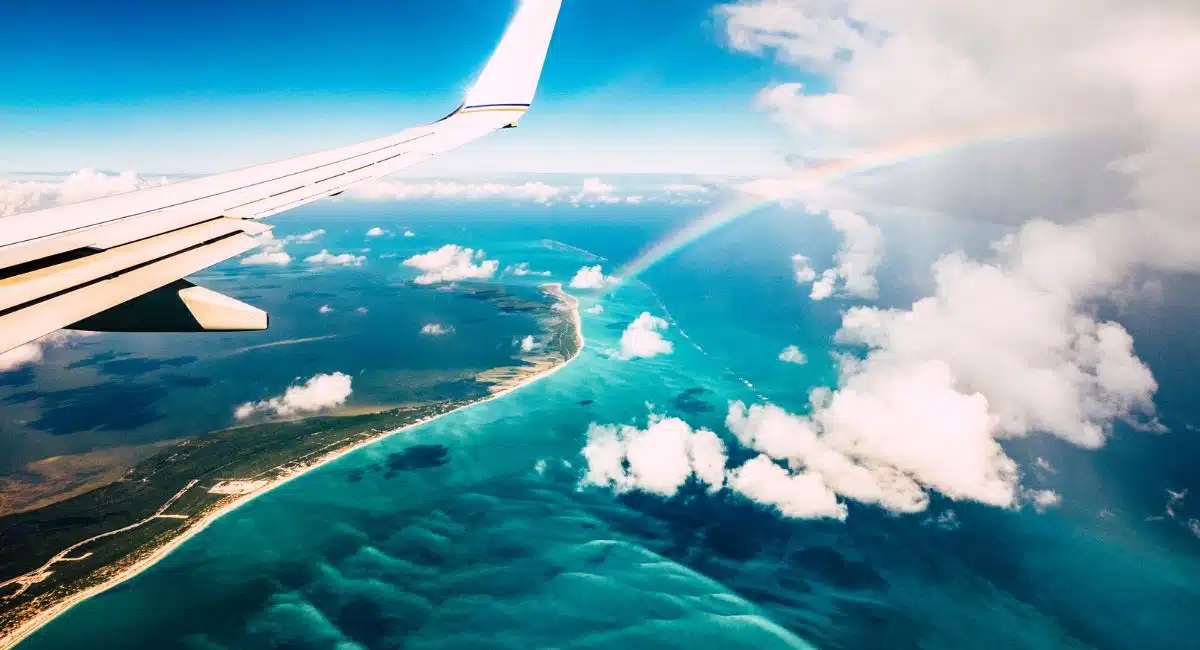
(57, 555)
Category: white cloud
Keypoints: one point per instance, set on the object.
(523, 269)
(1008, 344)
(318, 393)
(946, 520)
(596, 186)
(309, 236)
(802, 495)
(1072, 68)
(596, 191)
(1043, 500)
(275, 257)
(659, 459)
(376, 232)
(436, 329)
(270, 252)
(33, 352)
(792, 354)
(325, 309)
(642, 338)
(331, 259)
(860, 253)
(591, 277)
(83, 185)
(409, 233)
(685, 188)
(450, 263)
(595, 309)
(529, 344)
(399, 190)
(802, 269)
(361, 310)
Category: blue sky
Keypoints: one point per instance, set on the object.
(630, 85)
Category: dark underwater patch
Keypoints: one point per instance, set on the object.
(834, 568)
(20, 377)
(688, 401)
(141, 366)
(97, 359)
(414, 458)
(185, 381)
(105, 407)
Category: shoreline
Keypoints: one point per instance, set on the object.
(43, 618)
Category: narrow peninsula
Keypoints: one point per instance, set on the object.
(55, 556)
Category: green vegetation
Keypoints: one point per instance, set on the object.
(258, 452)
(120, 524)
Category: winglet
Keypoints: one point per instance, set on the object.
(510, 78)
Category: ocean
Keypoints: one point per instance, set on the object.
(504, 547)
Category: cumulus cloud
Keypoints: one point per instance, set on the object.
(325, 309)
(669, 453)
(596, 191)
(361, 310)
(450, 263)
(802, 269)
(857, 258)
(318, 393)
(1073, 70)
(659, 459)
(409, 233)
(596, 186)
(801, 495)
(270, 253)
(594, 309)
(591, 277)
(376, 232)
(33, 352)
(792, 354)
(331, 259)
(1010, 343)
(305, 237)
(523, 269)
(529, 344)
(436, 329)
(26, 196)
(642, 338)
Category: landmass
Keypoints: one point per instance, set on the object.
(56, 555)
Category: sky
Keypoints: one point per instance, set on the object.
(630, 86)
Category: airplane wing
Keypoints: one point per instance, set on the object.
(118, 263)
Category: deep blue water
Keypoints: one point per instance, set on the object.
(501, 548)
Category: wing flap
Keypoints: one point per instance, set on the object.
(54, 313)
(50, 280)
(177, 307)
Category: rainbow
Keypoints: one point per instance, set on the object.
(891, 154)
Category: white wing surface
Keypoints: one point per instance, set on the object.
(117, 263)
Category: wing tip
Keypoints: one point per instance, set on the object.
(510, 78)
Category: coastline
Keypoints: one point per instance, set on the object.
(554, 289)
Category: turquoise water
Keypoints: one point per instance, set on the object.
(501, 547)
